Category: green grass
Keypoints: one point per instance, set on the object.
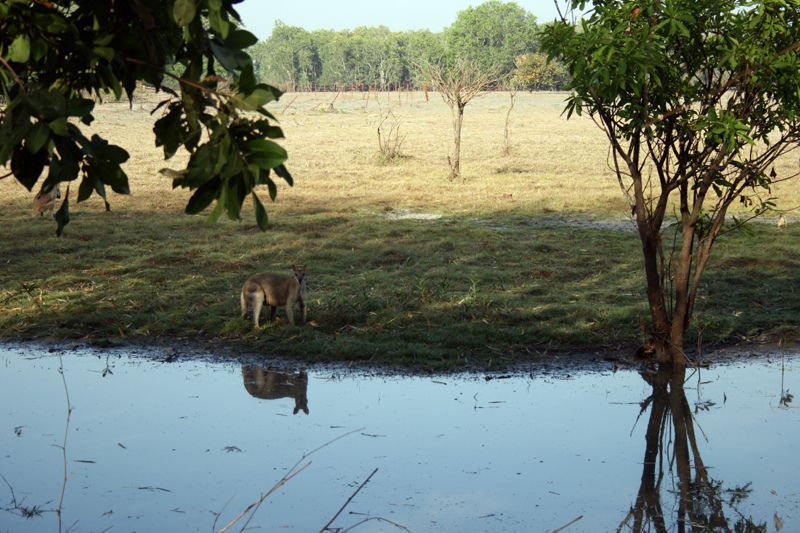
(497, 278)
(436, 293)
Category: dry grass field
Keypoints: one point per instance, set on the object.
(528, 253)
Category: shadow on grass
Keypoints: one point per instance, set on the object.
(431, 292)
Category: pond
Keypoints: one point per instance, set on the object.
(188, 446)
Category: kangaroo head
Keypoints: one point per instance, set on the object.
(299, 273)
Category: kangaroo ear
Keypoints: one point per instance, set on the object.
(305, 410)
(296, 410)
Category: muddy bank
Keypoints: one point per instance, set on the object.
(559, 364)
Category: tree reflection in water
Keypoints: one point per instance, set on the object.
(671, 449)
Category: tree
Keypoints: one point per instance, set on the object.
(492, 34)
(698, 99)
(288, 57)
(56, 54)
(377, 54)
(335, 52)
(458, 85)
(421, 47)
(534, 72)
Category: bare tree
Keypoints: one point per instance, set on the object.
(506, 142)
(458, 84)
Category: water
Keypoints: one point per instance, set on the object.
(158, 446)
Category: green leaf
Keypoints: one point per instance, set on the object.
(217, 21)
(52, 22)
(20, 49)
(39, 48)
(247, 79)
(231, 59)
(233, 198)
(258, 98)
(213, 217)
(37, 137)
(241, 39)
(62, 215)
(104, 40)
(203, 196)
(71, 156)
(265, 153)
(261, 214)
(47, 105)
(273, 189)
(168, 130)
(183, 12)
(108, 152)
(104, 52)
(59, 126)
(79, 107)
(283, 172)
(117, 179)
(86, 188)
(27, 167)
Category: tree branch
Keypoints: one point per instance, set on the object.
(16, 77)
(175, 77)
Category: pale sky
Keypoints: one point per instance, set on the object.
(259, 15)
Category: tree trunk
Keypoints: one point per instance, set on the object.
(680, 419)
(648, 501)
(650, 236)
(455, 159)
(506, 144)
(680, 313)
(669, 322)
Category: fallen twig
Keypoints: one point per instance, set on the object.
(59, 509)
(379, 519)
(293, 471)
(565, 526)
(326, 527)
(256, 504)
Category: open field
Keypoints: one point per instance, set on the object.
(529, 253)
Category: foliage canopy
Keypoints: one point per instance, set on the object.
(57, 55)
(490, 35)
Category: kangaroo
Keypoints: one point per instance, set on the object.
(45, 201)
(272, 385)
(275, 290)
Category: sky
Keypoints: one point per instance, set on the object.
(259, 16)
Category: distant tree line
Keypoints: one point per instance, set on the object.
(500, 37)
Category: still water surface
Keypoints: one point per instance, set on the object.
(156, 446)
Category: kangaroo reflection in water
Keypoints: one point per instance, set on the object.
(701, 500)
(272, 385)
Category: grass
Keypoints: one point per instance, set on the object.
(528, 254)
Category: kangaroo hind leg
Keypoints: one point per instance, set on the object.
(257, 299)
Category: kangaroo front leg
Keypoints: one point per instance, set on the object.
(290, 312)
(302, 312)
(273, 310)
